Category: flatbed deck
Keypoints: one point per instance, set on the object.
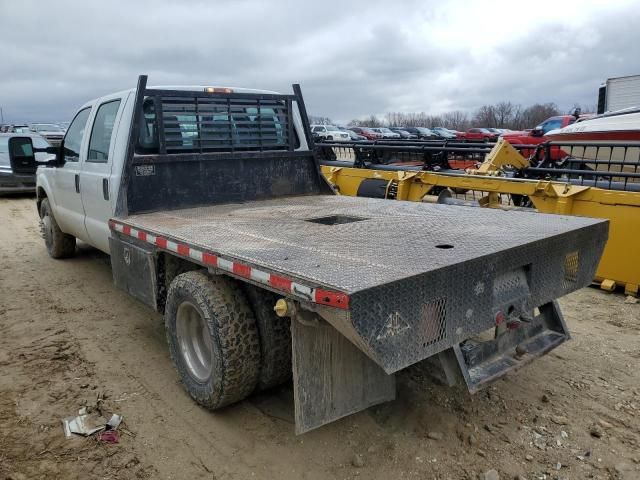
(379, 242)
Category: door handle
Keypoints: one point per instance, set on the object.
(105, 188)
(77, 183)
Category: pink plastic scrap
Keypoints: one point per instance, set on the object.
(109, 436)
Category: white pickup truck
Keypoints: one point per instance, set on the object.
(213, 209)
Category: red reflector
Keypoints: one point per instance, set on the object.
(142, 236)
(183, 250)
(242, 270)
(332, 299)
(280, 283)
(126, 229)
(209, 259)
(161, 242)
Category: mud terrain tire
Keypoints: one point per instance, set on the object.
(213, 339)
(275, 338)
(58, 243)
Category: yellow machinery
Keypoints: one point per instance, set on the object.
(620, 264)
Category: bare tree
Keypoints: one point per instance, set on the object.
(503, 113)
(371, 121)
(456, 120)
(315, 120)
(538, 113)
(374, 122)
(485, 116)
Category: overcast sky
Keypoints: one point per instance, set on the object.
(352, 58)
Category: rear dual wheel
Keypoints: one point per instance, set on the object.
(222, 348)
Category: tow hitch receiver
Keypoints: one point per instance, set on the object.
(481, 362)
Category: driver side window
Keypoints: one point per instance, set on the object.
(75, 133)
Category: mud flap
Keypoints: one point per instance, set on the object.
(483, 362)
(331, 377)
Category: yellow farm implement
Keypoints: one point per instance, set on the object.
(489, 186)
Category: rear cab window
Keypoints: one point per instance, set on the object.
(216, 124)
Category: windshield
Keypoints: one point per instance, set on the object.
(332, 128)
(47, 127)
(550, 124)
(424, 130)
(385, 130)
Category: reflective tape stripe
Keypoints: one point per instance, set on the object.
(310, 294)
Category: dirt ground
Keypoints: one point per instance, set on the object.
(70, 338)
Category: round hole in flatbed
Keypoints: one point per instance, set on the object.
(444, 246)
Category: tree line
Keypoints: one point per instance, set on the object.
(498, 115)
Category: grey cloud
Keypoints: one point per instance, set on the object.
(352, 58)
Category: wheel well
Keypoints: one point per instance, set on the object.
(40, 196)
(169, 267)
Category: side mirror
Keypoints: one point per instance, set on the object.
(22, 155)
(537, 132)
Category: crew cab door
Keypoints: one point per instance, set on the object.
(67, 207)
(97, 190)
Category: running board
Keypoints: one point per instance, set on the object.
(483, 362)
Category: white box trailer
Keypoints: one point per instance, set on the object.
(618, 93)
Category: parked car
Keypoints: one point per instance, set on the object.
(405, 134)
(330, 133)
(421, 132)
(19, 129)
(355, 136)
(17, 176)
(444, 132)
(497, 131)
(386, 133)
(367, 132)
(52, 132)
(478, 135)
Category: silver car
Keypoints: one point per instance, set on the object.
(51, 131)
(16, 177)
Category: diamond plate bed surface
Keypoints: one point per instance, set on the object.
(382, 242)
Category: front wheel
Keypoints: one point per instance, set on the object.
(58, 243)
(213, 338)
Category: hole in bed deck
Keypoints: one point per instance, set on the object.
(444, 246)
(335, 219)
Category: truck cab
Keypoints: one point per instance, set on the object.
(536, 136)
(82, 189)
